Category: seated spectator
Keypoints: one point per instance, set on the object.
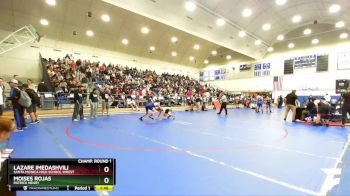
(310, 107)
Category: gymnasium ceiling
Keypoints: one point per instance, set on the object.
(167, 18)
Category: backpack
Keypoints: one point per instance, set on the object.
(33, 96)
(24, 100)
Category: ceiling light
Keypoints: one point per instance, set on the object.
(125, 41)
(315, 41)
(89, 33)
(220, 22)
(173, 54)
(343, 36)
(105, 18)
(280, 2)
(196, 46)
(280, 37)
(334, 8)
(247, 12)
(214, 52)
(296, 19)
(44, 22)
(206, 61)
(242, 34)
(340, 24)
(145, 30)
(174, 39)
(51, 2)
(257, 42)
(152, 48)
(307, 31)
(190, 6)
(266, 27)
(228, 57)
(191, 58)
(291, 45)
(270, 49)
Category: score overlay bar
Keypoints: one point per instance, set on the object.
(87, 174)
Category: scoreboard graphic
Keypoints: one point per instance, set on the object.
(86, 174)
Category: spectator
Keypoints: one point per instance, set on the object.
(105, 95)
(35, 101)
(16, 78)
(328, 98)
(42, 87)
(280, 101)
(93, 103)
(78, 104)
(310, 107)
(291, 104)
(18, 110)
(31, 85)
(2, 96)
(346, 106)
(6, 127)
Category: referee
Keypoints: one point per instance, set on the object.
(223, 100)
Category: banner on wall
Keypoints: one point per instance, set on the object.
(343, 60)
(305, 61)
(263, 69)
(212, 75)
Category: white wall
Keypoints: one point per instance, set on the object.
(24, 61)
(306, 81)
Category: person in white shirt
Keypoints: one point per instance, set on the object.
(327, 98)
(223, 101)
(2, 96)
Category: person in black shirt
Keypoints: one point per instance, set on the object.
(291, 104)
(346, 106)
(105, 95)
(310, 107)
(78, 104)
(35, 101)
(280, 101)
(42, 87)
(93, 103)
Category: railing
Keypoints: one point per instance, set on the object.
(46, 76)
(51, 100)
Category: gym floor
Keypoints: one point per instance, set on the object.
(198, 153)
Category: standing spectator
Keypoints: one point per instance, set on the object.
(280, 101)
(105, 95)
(42, 87)
(16, 78)
(78, 104)
(93, 103)
(35, 101)
(268, 104)
(346, 106)
(291, 104)
(2, 96)
(31, 85)
(18, 110)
